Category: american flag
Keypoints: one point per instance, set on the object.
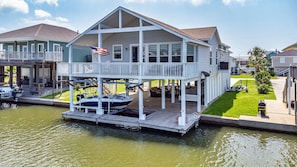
(99, 51)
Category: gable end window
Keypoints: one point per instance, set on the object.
(117, 52)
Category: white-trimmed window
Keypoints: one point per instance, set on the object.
(117, 52)
(210, 56)
(56, 48)
(164, 52)
(190, 53)
(294, 59)
(32, 48)
(282, 60)
(152, 49)
(40, 47)
(176, 52)
(10, 48)
(216, 56)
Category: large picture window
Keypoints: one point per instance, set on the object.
(176, 51)
(117, 52)
(164, 52)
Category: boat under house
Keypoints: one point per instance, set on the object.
(189, 65)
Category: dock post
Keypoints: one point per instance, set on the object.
(173, 91)
(199, 95)
(163, 94)
(182, 118)
(142, 116)
(99, 110)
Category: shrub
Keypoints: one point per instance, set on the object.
(263, 89)
(272, 73)
(263, 77)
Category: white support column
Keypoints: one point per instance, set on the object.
(289, 91)
(172, 91)
(140, 48)
(100, 110)
(163, 94)
(99, 41)
(142, 116)
(199, 95)
(206, 92)
(182, 118)
(184, 56)
(126, 84)
(149, 87)
(70, 78)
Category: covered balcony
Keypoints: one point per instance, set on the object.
(25, 56)
(130, 70)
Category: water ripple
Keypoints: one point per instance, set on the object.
(37, 136)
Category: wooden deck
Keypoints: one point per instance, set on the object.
(157, 119)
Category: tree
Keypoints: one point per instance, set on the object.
(258, 59)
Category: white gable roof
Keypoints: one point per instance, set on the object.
(111, 17)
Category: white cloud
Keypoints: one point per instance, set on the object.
(229, 2)
(139, 1)
(50, 2)
(61, 19)
(41, 13)
(2, 29)
(14, 5)
(199, 2)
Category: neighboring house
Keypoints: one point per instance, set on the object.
(282, 61)
(243, 64)
(143, 49)
(234, 69)
(269, 55)
(291, 47)
(34, 51)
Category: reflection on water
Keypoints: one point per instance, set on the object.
(37, 136)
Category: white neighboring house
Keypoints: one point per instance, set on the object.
(145, 49)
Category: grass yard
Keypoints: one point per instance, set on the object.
(243, 75)
(234, 104)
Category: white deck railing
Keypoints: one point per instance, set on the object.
(149, 70)
(23, 56)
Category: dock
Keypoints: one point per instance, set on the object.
(156, 118)
(159, 120)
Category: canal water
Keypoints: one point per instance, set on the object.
(37, 136)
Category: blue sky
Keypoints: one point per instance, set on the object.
(242, 24)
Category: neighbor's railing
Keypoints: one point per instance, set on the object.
(146, 70)
(24, 56)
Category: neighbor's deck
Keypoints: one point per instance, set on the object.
(158, 119)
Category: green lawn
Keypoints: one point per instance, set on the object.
(234, 104)
(242, 76)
